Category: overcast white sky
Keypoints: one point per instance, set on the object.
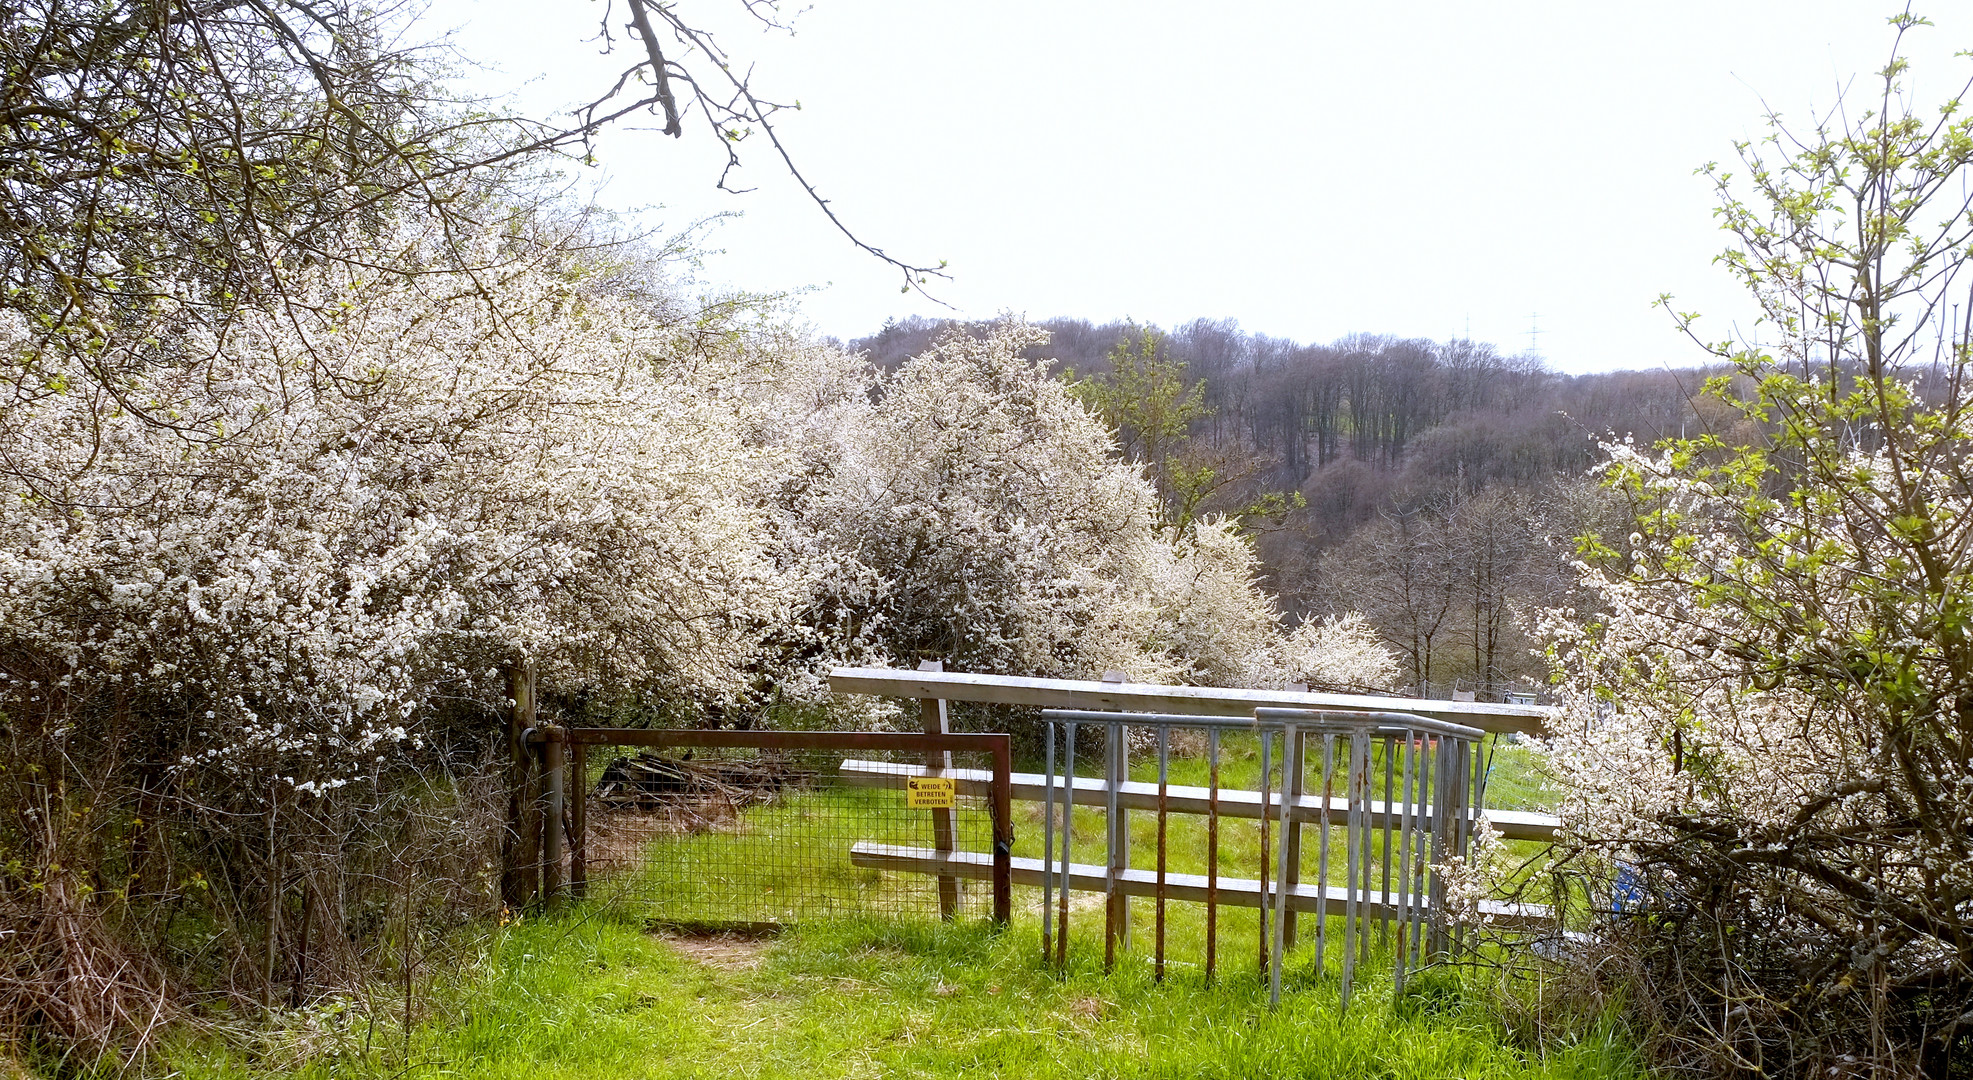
(1310, 169)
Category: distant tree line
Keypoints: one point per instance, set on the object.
(1420, 415)
(1434, 486)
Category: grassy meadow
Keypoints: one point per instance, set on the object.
(594, 992)
(588, 996)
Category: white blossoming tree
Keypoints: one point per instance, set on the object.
(216, 636)
(1770, 748)
(969, 508)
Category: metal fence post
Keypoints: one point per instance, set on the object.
(1116, 908)
(1443, 789)
(1356, 830)
(1164, 806)
(1048, 845)
(1068, 839)
(1003, 830)
(1212, 851)
(552, 825)
(1294, 756)
(579, 821)
(1116, 839)
(1282, 890)
(1267, 746)
(519, 865)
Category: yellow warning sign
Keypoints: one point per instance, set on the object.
(929, 792)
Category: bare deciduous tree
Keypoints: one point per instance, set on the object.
(149, 146)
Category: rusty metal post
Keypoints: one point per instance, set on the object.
(579, 821)
(553, 768)
(519, 865)
(932, 714)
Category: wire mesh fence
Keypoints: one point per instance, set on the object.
(708, 835)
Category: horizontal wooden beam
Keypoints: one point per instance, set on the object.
(1154, 697)
(910, 741)
(1233, 892)
(1138, 795)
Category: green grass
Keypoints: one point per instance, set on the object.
(591, 994)
(1517, 780)
(588, 996)
(787, 861)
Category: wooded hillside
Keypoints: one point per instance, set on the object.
(1435, 486)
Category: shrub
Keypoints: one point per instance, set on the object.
(1770, 732)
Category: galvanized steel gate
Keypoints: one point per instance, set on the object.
(1392, 850)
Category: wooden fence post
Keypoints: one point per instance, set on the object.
(519, 865)
(932, 712)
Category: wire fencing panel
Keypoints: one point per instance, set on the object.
(736, 836)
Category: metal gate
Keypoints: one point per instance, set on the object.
(1376, 860)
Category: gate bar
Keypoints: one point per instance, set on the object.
(1048, 853)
